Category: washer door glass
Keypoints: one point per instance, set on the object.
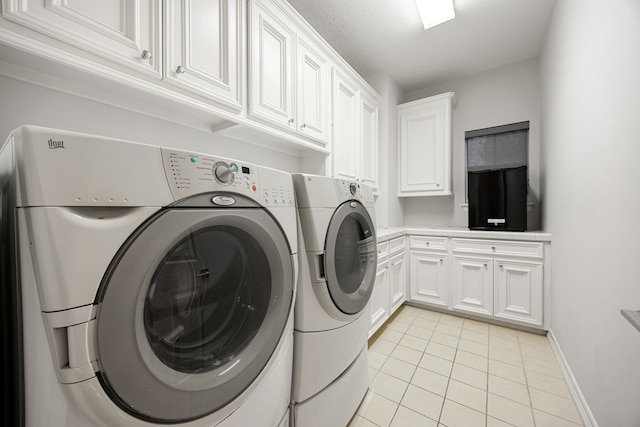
(192, 311)
(207, 299)
(350, 257)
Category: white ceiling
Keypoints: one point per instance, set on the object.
(387, 36)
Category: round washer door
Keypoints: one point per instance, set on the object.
(192, 310)
(350, 257)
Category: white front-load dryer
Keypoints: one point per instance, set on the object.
(148, 286)
(338, 260)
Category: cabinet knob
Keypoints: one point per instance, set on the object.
(304, 125)
(146, 54)
(427, 244)
(501, 266)
(290, 121)
(493, 248)
(180, 69)
(441, 260)
(485, 265)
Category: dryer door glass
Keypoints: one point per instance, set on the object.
(192, 310)
(350, 257)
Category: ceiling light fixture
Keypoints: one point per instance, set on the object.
(435, 12)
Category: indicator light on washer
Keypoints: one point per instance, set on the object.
(253, 187)
(193, 159)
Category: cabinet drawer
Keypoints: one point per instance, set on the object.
(383, 251)
(428, 242)
(498, 247)
(396, 245)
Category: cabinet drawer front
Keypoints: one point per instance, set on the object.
(428, 242)
(499, 247)
(383, 252)
(396, 245)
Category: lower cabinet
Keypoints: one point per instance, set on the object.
(379, 307)
(491, 278)
(390, 284)
(429, 270)
(397, 280)
(429, 278)
(472, 285)
(518, 291)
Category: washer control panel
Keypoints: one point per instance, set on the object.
(195, 173)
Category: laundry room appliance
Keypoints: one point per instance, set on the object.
(498, 199)
(337, 250)
(151, 286)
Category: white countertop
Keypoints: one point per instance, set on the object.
(388, 233)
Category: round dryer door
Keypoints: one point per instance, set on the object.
(350, 257)
(192, 311)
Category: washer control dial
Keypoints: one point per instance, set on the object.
(224, 172)
(353, 188)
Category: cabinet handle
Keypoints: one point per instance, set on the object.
(146, 54)
(180, 69)
(304, 125)
(290, 121)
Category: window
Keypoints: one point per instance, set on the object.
(498, 147)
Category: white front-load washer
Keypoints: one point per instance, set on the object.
(144, 285)
(337, 251)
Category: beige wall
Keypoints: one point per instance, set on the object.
(25, 103)
(590, 73)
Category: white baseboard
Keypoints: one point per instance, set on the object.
(583, 408)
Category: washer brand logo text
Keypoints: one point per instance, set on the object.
(55, 144)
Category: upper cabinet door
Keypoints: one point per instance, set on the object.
(346, 135)
(125, 32)
(270, 65)
(369, 115)
(313, 92)
(424, 158)
(203, 41)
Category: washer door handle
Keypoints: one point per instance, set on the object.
(319, 268)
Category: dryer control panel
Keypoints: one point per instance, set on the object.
(346, 190)
(191, 173)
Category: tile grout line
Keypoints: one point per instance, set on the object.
(444, 400)
(526, 380)
(486, 403)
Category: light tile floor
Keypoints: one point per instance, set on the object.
(429, 369)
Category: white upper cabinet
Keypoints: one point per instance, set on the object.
(271, 65)
(354, 150)
(346, 146)
(369, 126)
(252, 70)
(289, 74)
(424, 146)
(203, 40)
(125, 32)
(313, 91)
